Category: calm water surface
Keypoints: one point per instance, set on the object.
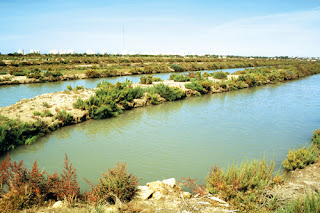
(184, 138)
(10, 94)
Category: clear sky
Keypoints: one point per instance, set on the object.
(247, 27)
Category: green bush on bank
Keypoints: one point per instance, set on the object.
(300, 158)
(179, 77)
(219, 75)
(149, 79)
(15, 132)
(309, 204)
(169, 93)
(315, 139)
(195, 85)
(241, 185)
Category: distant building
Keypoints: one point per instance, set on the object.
(62, 52)
(21, 51)
(34, 51)
(90, 52)
(54, 52)
(71, 52)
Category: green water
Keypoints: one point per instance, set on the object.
(184, 138)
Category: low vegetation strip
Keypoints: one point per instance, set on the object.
(18, 69)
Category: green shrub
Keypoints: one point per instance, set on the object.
(47, 113)
(37, 113)
(195, 86)
(64, 117)
(149, 79)
(310, 204)
(35, 73)
(80, 104)
(315, 139)
(219, 75)
(243, 184)
(15, 132)
(169, 93)
(31, 140)
(46, 104)
(179, 78)
(300, 158)
(92, 74)
(177, 68)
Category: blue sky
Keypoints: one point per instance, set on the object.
(265, 28)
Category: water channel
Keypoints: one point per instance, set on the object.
(10, 94)
(184, 138)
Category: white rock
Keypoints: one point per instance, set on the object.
(58, 204)
(170, 182)
(157, 195)
(144, 192)
(186, 195)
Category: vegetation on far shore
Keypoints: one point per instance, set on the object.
(44, 68)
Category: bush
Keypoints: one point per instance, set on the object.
(21, 189)
(242, 184)
(195, 86)
(80, 104)
(310, 203)
(117, 183)
(64, 117)
(219, 75)
(149, 79)
(179, 78)
(169, 93)
(35, 73)
(315, 139)
(300, 158)
(15, 132)
(92, 74)
(177, 68)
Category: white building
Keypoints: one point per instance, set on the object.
(34, 51)
(61, 52)
(21, 51)
(54, 52)
(71, 52)
(90, 52)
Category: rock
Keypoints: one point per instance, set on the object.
(157, 195)
(170, 182)
(144, 192)
(58, 204)
(186, 195)
(154, 184)
(111, 209)
(139, 102)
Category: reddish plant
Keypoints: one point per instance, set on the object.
(193, 186)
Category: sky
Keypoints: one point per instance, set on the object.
(246, 28)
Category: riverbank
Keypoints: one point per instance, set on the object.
(41, 69)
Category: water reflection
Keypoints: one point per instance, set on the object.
(184, 138)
